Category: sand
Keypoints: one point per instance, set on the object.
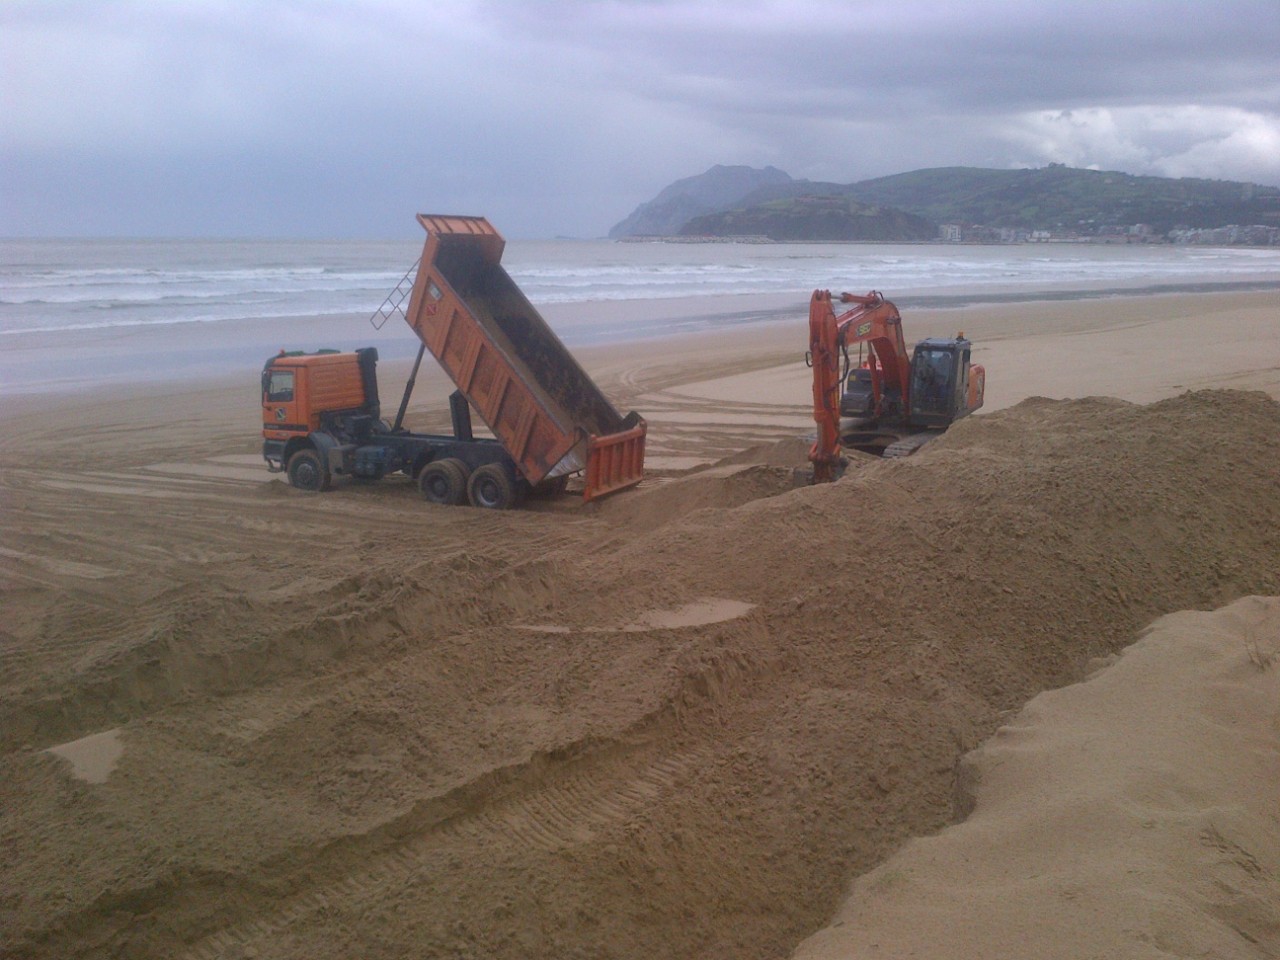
(680, 722)
(1133, 815)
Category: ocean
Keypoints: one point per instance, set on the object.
(131, 296)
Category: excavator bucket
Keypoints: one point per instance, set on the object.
(541, 405)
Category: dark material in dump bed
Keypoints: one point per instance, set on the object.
(535, 397)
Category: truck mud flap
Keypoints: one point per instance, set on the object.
(615, 462)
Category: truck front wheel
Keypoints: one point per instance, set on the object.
(492, 487)
(308, 472)
(444, 481)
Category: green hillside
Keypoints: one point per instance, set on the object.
(824, 218)
(719, 188)
(1065, 198)
(1055, 198)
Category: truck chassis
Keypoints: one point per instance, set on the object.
(357, 443)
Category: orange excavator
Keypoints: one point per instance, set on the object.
(894, 404)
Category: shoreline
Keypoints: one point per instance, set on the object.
(201, 354)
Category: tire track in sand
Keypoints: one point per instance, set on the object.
(605, 792)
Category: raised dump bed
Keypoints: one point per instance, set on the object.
(540, 404)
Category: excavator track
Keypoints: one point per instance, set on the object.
(909, 444)
(862, 435)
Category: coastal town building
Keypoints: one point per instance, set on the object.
(1256, 235)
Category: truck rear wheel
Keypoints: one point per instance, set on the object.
(492, 487)
(308, 472)
(444, 481)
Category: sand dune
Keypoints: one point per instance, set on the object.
(1133, 815)
(676, 723)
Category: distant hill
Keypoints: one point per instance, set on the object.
(1053, 198)
(1058, 197)
(823, 218)
(718, 189)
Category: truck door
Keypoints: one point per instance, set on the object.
(281, 402)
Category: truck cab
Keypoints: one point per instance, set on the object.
(327, 393)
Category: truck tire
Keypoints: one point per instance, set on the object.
(492, 487)
(444, 481)
(307, 471)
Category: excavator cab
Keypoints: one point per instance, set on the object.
(939, 382)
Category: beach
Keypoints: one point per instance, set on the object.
(717, 715)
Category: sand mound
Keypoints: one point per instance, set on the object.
(1130, 816)
(655, 504)
(340, 738)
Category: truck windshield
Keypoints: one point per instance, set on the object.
(280, 386)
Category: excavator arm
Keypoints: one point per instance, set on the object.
(872, 320)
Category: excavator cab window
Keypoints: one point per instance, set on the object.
(933, 380)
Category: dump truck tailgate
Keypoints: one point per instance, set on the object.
(547, 412)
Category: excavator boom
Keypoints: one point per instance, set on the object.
(872, 320)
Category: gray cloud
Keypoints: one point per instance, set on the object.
(553, 116)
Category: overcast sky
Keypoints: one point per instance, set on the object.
(558, 117)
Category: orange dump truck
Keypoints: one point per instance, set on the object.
(322, 416)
